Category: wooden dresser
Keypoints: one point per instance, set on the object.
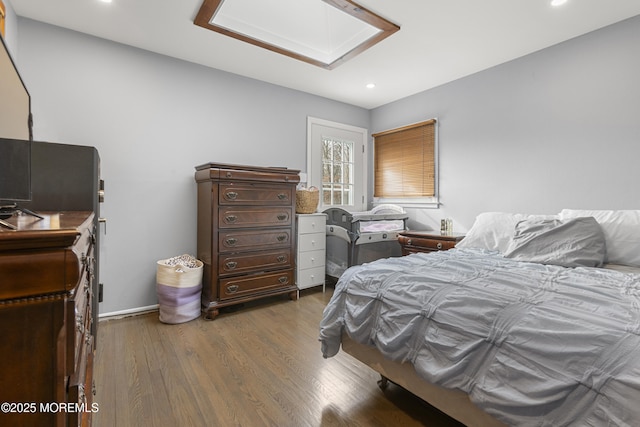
(246, 233)
(427, 241)
(46, 315)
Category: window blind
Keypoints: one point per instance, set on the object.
(404, 161)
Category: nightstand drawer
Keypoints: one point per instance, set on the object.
(422, 241)
(426, 244)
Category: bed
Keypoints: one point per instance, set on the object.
(530, 321)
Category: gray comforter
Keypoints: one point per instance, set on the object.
(532, 344)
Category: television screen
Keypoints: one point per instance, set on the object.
(15, 171)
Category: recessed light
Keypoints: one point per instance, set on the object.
(371, 85)
(558, 2)
(106, 1)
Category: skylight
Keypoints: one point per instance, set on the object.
(321, 32)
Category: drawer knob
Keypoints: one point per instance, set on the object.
(282, 217)
(281, 258)
(282, 237)
(409, 242)
(283, 279)
(232, 289)
(231, 195)
(231, 218)
(231, 241)
(282, 196)
(230, 265)
(439, 245)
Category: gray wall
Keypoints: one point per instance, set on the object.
(152, 119)
(556, 129)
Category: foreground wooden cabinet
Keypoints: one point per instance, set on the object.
(246, 233)
(46, 316)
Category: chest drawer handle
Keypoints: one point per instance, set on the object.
(282, 196)
(282, 237)
(282, 217)
(283, 279)
(231, 241)
(281, 258)
(231, 195)
(231, 218)
(232, 289)
(230, 265)
(409, 242)
(439, 245)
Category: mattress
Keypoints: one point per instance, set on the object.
(530, 344)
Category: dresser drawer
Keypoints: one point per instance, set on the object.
(237, 287)
(245, 217)
(244, 240)
(78, 325)
(312, 242)
(232, 193)
(311, 259)
(81, 388)
(311, 224)
(310, 277)
(254, 261)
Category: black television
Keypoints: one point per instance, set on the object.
(15, 171)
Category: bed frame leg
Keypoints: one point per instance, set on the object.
(383, 382)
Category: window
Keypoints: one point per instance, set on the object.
(405, 163)
(2, 18)
(337, 171)
(336, 163)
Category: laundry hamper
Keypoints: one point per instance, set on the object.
(179, 288)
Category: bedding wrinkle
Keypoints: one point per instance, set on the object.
(532, 344)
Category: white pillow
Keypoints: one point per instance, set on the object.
(494, 230)
(621, 233)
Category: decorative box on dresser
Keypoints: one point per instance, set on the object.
(311, 250)
(46, 316)
(427, 241)
(246, 233)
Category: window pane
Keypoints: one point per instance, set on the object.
(337, 168)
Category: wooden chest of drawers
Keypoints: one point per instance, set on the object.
(427, 241)
(46, 317)
(246, 233)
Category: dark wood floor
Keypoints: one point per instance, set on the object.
(259, 365)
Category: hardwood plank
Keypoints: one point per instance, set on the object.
(258, 364)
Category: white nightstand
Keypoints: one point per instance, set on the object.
(311, 250)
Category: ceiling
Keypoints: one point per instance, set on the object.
(438, 41)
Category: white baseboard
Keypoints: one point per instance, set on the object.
(128, 312)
